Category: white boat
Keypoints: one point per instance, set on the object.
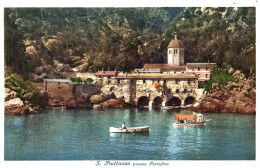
(189, 120)
(129, 129)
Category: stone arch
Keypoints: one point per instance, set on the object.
(189, 100)
(174, 101)
(157, 101)
(143, 101)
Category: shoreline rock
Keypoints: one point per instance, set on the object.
(224, 100)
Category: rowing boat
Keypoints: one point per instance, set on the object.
(129, 129)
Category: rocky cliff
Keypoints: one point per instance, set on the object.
(236, 97)
(15, 106)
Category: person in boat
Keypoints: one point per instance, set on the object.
(124, 125)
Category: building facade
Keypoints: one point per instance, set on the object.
(202, 70)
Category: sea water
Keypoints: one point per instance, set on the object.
(84, 135)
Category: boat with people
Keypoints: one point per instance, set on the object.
(189, 120)
(141, 129)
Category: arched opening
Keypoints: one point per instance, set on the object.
(157, 102)
(189, 100)
(143, 101)
(174, 101)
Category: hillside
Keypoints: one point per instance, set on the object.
(84, 38)
(90, 39)
(221, 35)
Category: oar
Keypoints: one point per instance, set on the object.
(131, 132)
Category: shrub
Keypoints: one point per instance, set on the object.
(78, 80)
(89, 80)
(22, 88)
(219, 76)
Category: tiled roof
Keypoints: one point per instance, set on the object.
(105, 73)
(176, 44)
(163, 66)
(160, 76)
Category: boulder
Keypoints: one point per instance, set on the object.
(215, 86)
(113, 103)
(97, 99)
(15, 106)
(70, 103)
(28, 96)
(9, 94)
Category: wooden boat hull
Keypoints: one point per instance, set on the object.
(129, 129)
(190, 124)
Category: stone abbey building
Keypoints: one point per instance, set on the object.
(171, 84)
(153, 85)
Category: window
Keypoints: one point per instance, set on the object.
(176, 81)
(118, 81)
(198, 68)
(144, 81)
(192, 68)
(58, 83)
(207, 68)
(206, 75)
(188, 81)
(170, 51)
(185, 90)
(164, 82)
(198, 75)
(182, 72)
(59, 87)
(177, 90)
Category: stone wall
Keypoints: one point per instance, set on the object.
(60, 89)
(87, 88)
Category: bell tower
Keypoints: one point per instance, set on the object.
(175, 52)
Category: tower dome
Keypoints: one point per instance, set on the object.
(175, 43)
(175, 53)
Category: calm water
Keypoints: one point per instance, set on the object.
(83, 135)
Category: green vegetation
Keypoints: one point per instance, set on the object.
(89, 80)
(126, 38)
(23, 88)
(78, 80)
(219, 76)
(94, 38)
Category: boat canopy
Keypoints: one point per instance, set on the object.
(185, 117)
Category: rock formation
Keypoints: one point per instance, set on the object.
(15, 106)
(236, 97)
